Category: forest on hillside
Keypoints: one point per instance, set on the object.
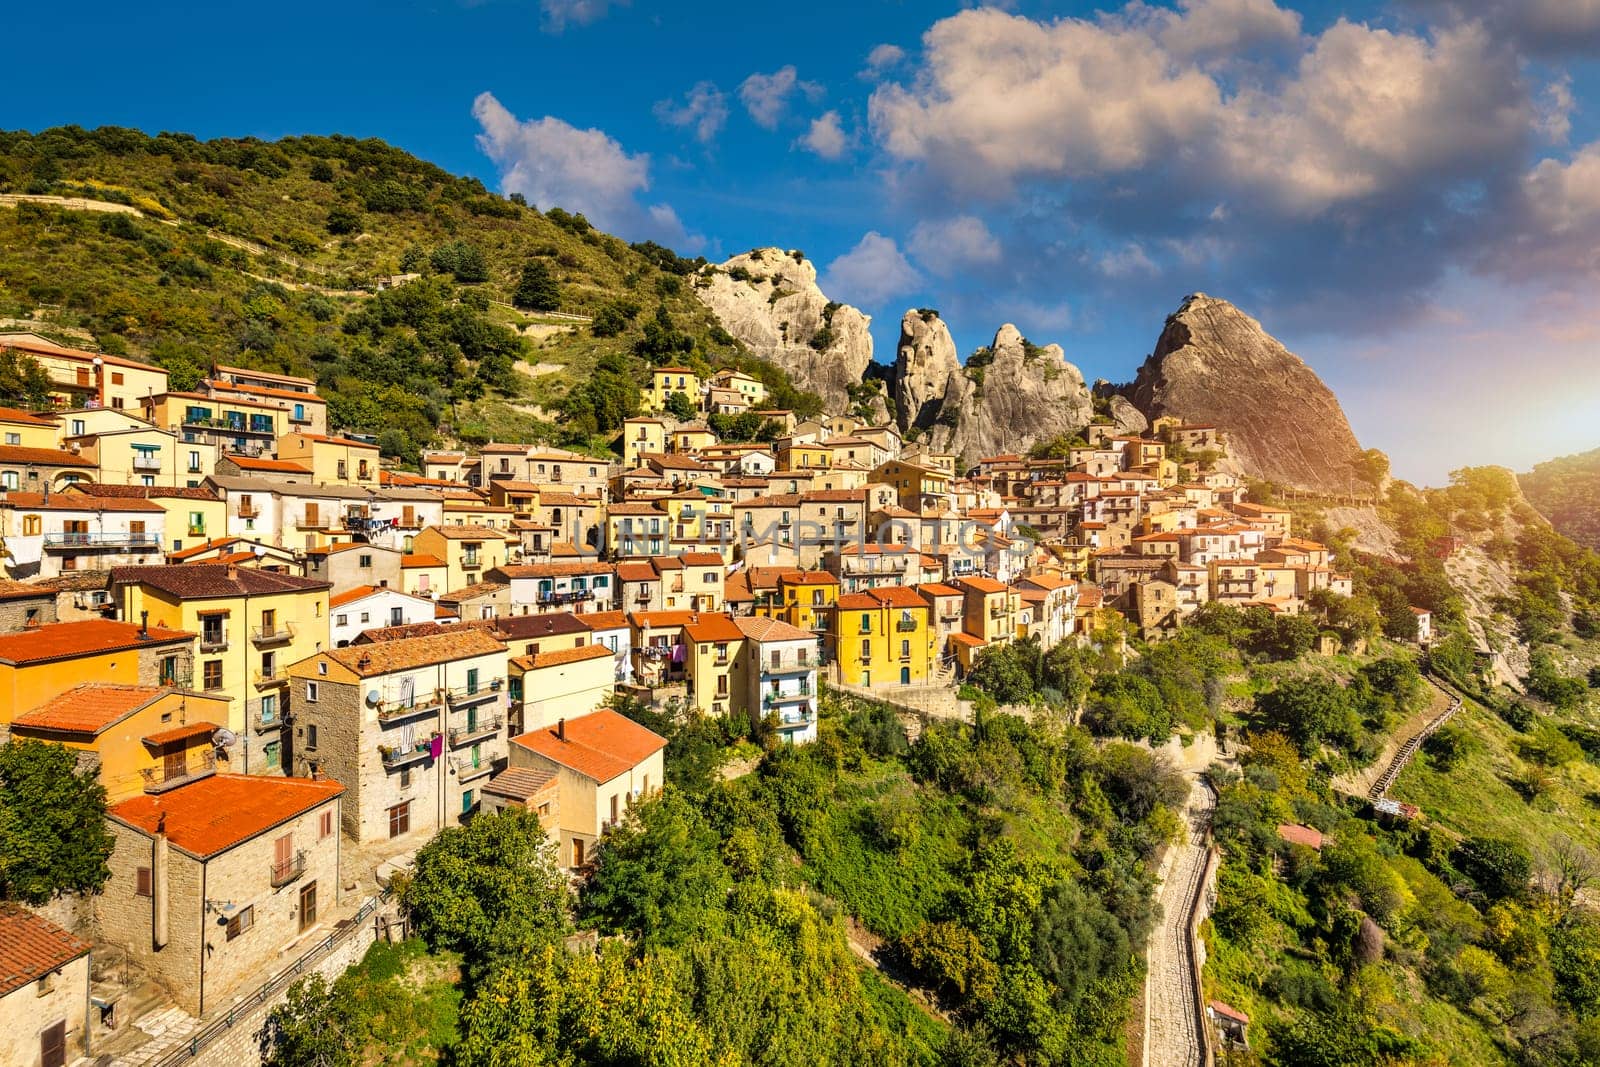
(514, 321)
(1567, 492)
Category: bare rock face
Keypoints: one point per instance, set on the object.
(924, 362)
(769, 300)
(1129, 419)
(1215, 364)
(1006, 399)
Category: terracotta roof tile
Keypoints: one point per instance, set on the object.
(216, 813)
(581, 654)
(182, 733)
(31, 947)
(66, 640)
(420, 559)
(89, 708)
(713, 626)
(259, 463)
(604, 620)
(757, 628)
(600, 745)
(78, 502)
(208, 580)
(385, 657)
(520, 783)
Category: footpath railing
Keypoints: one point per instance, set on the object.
(249, 1006)
(1381, 787)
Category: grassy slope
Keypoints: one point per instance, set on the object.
(175, 285)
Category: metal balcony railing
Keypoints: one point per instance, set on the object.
(464, 695)
(395, 708)
(565, 596)
(906, 626)
(147, 463)
(791, 665)
(314, 522)
(396, 756)
(115, 539)
(461, 735)
(286, 871)
(249, 511)
(214, 642)
(276, 676)
(198, 764)
(273, 635)
(260, 718)
(799, 696)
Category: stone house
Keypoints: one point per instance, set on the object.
(218, 884)
(776, 676)
(353, 565)
(44, 991)
(411, 727)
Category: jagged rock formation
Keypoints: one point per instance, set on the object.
(1129, 419)
(768, 299)
(1215, 364)
(924, 362)
(1007, 397)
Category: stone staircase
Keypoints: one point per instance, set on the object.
(166, 1030)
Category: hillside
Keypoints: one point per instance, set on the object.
(270, 254)
(1567, 492)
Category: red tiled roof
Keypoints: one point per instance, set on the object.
(182, 733)
(214, 814)
(207, 580)
(938, 589)
(259, 463)
(600, 745)
(85, 501)
(65, 640)
(31, 947)
(520, 783)
(420, 559)
(24, 418)
(555, 570)
(10, 590)
(341, 599)
(1296, 834)
(963, 638)
(981, 584)
(604, 620)
(762, 629)
(702, 559)
(89, 708)
(713, 626)
(540, 660)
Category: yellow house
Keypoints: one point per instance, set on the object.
(42, 662)
(195, 515)
(423, 574)
(234, 424)
(691, 437)
(918, 487)
(882, 638)
(555, 684)
(147, 456)
(697, 518)
(714, 645)
(18, 427)
(804, 457)
(806, 599)
(989, 609)
(333, 460)
(752, 390)
(252, 624)
(77, 378)
(148, 738)
(468, 552)
(664, 381)
(640, 436)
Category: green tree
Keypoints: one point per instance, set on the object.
(1372, 467)
(537, 289)
(1001, 672)
(1500, 867)
(1311, 711)
(488, 887)
(53, 836)
(315, 1028)
(680, 406)
(24, 383)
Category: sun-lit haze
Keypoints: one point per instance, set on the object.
(1406, 193)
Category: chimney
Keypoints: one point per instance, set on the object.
(144, 631)
(561, 729)
(233, 572)
(158, 884)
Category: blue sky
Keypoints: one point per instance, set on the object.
(1406, 193)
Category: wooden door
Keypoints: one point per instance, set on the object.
(308, 907)
(175, 763)
(53, 1046)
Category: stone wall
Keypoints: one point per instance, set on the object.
(14, 613)
(27, 1012)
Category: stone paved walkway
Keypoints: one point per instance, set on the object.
(168, 1029)
(1172, 1015)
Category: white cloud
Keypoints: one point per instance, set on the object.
(826, 137)
(944, 246)
(1226, 28)
(705, 107)
(1555, 110)
(555, 164)
(882, 57)
(1001, 97)
(559, 14)
(1371, 112)
(1554, 232)
(1542, 27)
(870, 273)
(766, 96)
(1129, 261)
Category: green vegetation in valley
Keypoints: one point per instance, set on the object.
(1567, 492)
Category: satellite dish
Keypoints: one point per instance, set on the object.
(223, 738)
(259, 550)
(374, 698)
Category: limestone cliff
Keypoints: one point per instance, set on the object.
(769, 300)
(1215, 364)
(1005, 399)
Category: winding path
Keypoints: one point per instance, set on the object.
(1173, 1015)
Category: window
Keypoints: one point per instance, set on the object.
(405, 777)
(466, 801)
(866, 650)
(322, 667)
(472, 679)
(400, 819)
(311, 692)
(242, 920)
(13, 438)
(211, 631)
(905, 649)
(866, 624)
(8, 480)
(142, 882)
(325, 827)
(311, 735)
(269, 709)
(341, 620)
(614, 799)
(366, 559)
(77, 427)
(194, 462)
(212, 673)
(31, 525)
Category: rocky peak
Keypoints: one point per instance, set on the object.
(1215, 364)
(924, 362)
(769, 300)
(1007, 397)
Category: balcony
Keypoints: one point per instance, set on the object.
(394, 756)
(796, 720)
(197, 531)
(215, 641)
(276, 676)
(567, 596)
(286, 871)
(793, 665)
(199, 764)
(996, 611)
(115, 539)
(463, 696)
(276, 634)
(260, 720)
(147, 463)
(465, 735)
(314, 522)
(906, 626)
(249, 511)
(799, 696)
(394, 710)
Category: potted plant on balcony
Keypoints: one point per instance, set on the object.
(385, 751)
